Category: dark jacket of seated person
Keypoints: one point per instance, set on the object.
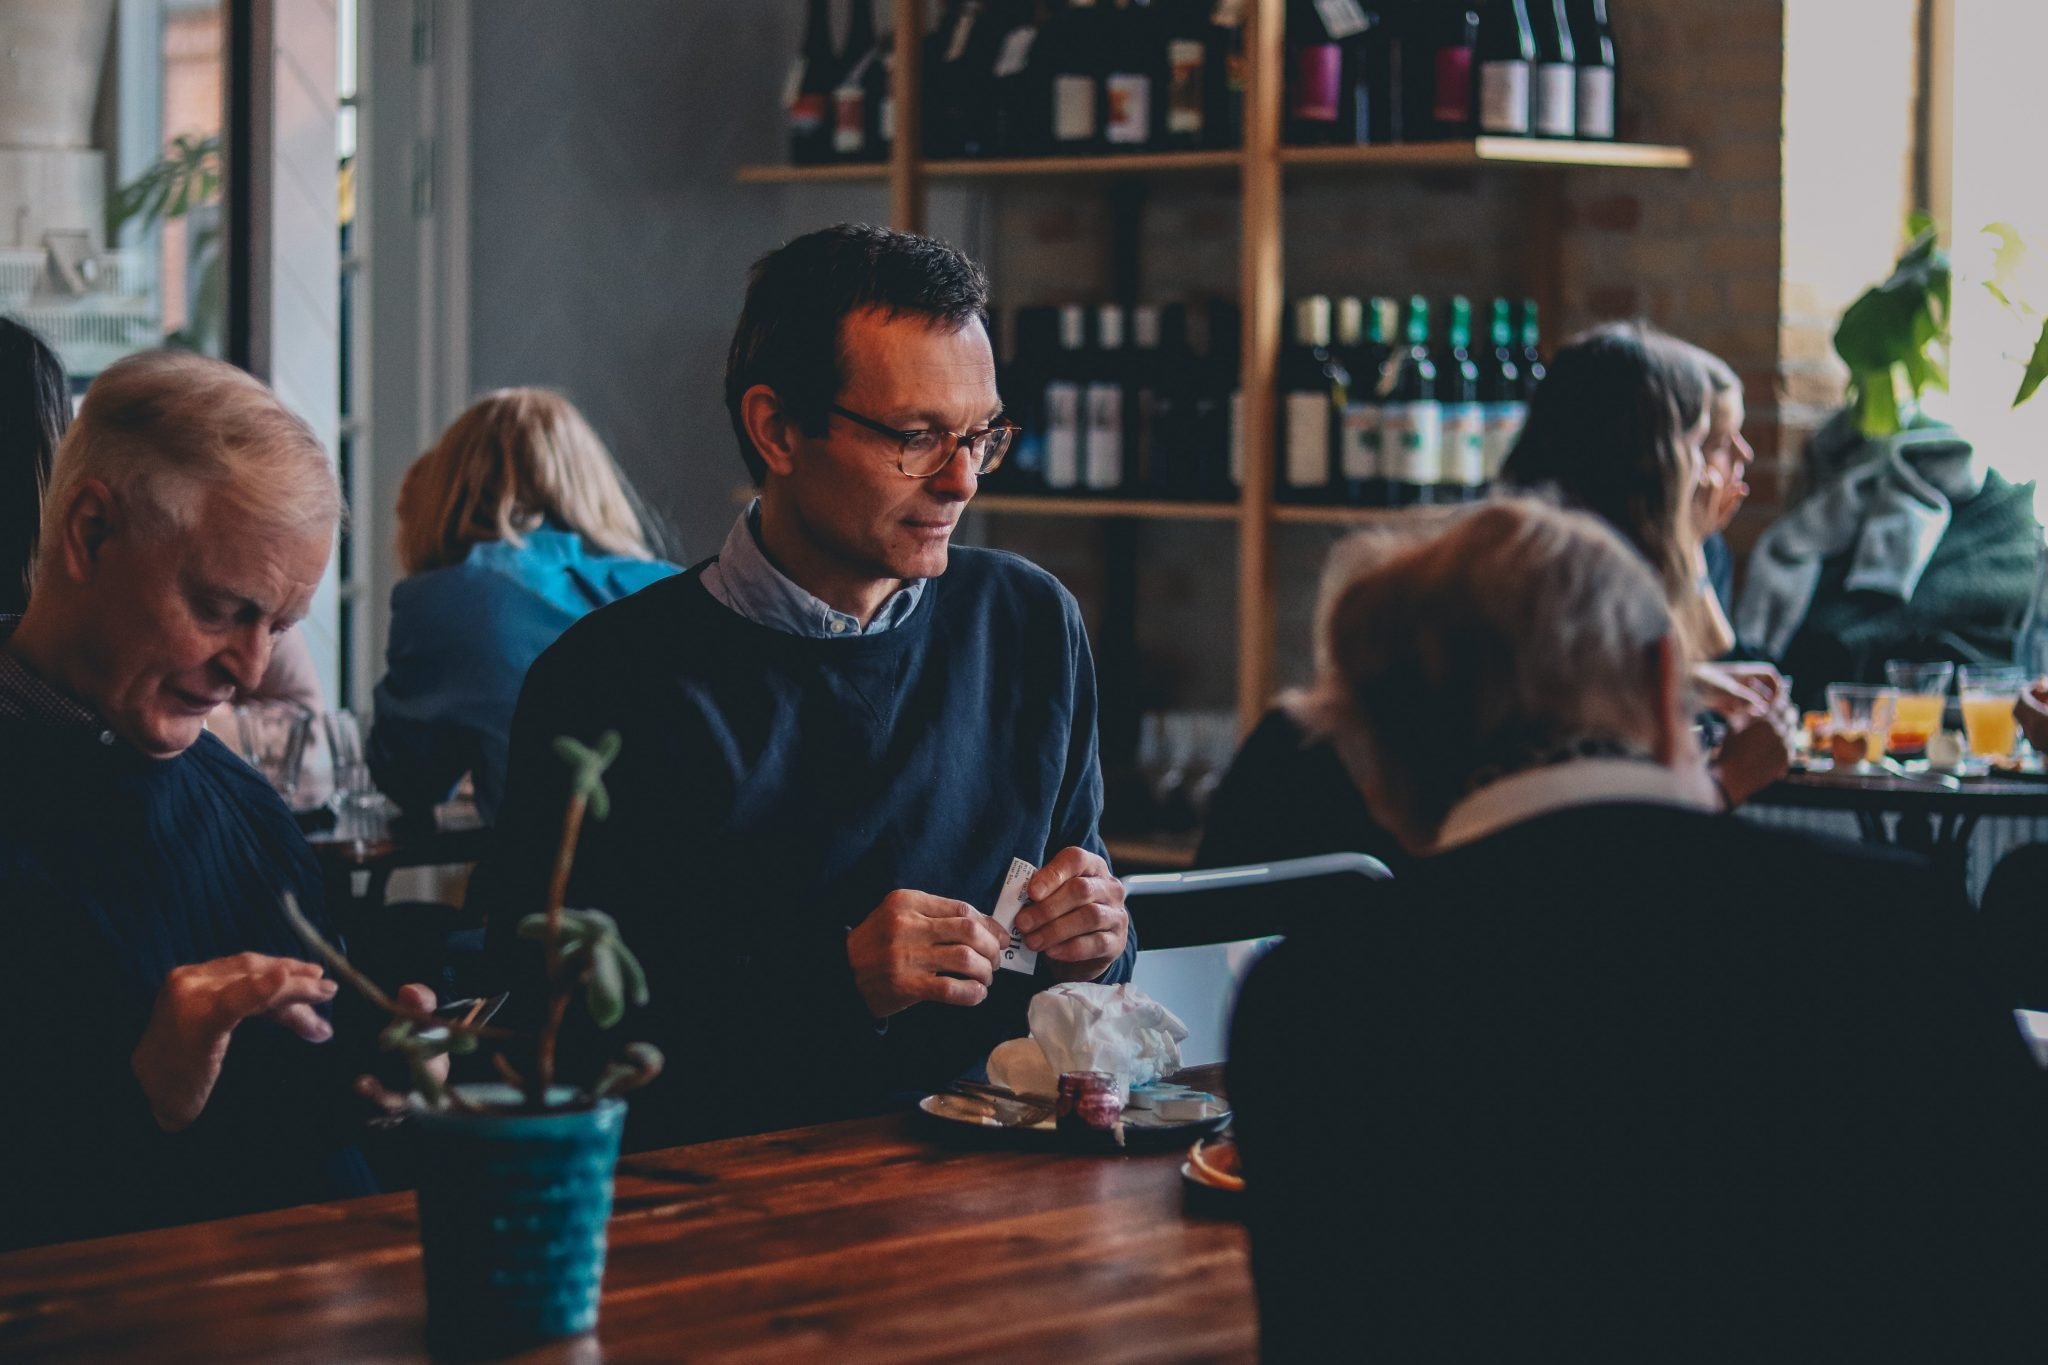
(1605, 1076)
(772, 789)
(1286, 795)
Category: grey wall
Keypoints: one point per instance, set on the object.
(609, 245)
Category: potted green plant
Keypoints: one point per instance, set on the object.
(515, 1177)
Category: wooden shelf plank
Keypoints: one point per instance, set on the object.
(1143, 509)
(876, 171)
(1147, 163)
(1311, 514)
(1159, 851)
(1493, 151)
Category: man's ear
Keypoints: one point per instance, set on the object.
(771, 428)
(84, 529)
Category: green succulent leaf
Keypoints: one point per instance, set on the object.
(603, 989)
(636, 976)
(533, 927)
(398, 1036)
(2037, 368)
(587, 766)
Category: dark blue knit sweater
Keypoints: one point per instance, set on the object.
(773, 789)
(115, 868)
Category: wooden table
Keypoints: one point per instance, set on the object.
(376, 845)
(879, 1240)
(1932, 818)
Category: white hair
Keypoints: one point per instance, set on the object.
(165, 429)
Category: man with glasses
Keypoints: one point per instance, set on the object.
(837, 733)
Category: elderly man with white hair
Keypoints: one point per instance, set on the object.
(171, 1052)
(1610, 1076)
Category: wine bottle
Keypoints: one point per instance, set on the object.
(1554, 91)
(1063, 425)
(1438, 67)
(1132, 87)
(1411, 418)
(1500, 389)
(1361, 347)
(1229, 75)
(807, 96)
(1034, 345)
(1014, 83)
(1333, 52)
(1532, 349)
(1102, 468)
(1186, 34)
(1464, 420)
(1593, 39)
(1151, 403)
(1075, 54)
(1314, 391)
(1506, 53)
(863, 85)
(944, 47)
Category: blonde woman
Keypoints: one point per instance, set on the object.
(513, 526)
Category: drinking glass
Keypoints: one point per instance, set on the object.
(1865, 711)
(1989, 692)
(356, 802)
(272, 737)
(1923, 691)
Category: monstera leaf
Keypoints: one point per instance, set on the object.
(1888, 337)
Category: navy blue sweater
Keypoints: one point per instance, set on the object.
(115, 868)
(773, 789)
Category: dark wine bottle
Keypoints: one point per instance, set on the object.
(1105, 404)
(1593, 39)
(1533, 369)
(1506, 53)
(860, 97)
(1015, 83)
(1464, 419)
(1151, 415)
(1500, 389)
(1314, 391)
(1228, 75)
(1438, 70)
(1187, 36)
(1022, 384)
(1361, 347)
(1076, 53)
(807, 97)
(1133, 86)
(1337, 82)
(1411, 430)
(1066, 377)
(1554, 89)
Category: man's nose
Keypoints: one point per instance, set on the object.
(247, 658)
(958, 480)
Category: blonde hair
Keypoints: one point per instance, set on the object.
(165, 429)
(514, 459)
(1522, 631)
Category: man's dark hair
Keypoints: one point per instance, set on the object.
(798, 294)
(35, 399)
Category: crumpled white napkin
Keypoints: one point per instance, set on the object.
(1087, 1027)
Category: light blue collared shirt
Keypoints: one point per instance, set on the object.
(743, 579)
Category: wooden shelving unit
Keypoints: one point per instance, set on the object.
(1261, 167)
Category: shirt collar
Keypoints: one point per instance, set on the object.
(24, 695)
(744, 579)
(1523, 796)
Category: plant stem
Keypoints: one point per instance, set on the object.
(558, 988)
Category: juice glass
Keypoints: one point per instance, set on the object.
(1923, 689)
(1863, 711)
(1988, 697)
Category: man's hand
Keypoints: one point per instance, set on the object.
(2031, 710)
(197, 1010)
(915, 947)
(1076, 916)
(1757, 752)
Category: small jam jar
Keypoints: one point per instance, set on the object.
(1088, 1102)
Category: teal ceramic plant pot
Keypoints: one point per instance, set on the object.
(513, 1210)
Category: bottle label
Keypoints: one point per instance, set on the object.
(1185, 104)
(1453, 101)
(1105, 462)
(1237, 438)
(1504, 98)
(1318, 72)
(1557, 87)
(1596, 102)
(1412, 442)
(1464, 444)
(1062, 434)
(850, 121)
(1503, 425)
(1130, 110)
(1073, 108)
(1342, 18)
(1016, 53)
(1362, 441)
(1308, 440)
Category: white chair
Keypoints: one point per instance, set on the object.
(1200, 932)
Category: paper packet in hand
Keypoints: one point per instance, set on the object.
(1016, 957)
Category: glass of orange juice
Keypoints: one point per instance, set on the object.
(1923, 692)
(1989, 692)
(1861, 710)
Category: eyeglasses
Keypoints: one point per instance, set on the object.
(925, 452)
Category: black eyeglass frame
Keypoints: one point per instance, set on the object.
(1002, 427)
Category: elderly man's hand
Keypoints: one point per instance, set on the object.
(2031, 710)
(915, 947)
(1076, 915)
(198, 1008)
(1757, 752)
